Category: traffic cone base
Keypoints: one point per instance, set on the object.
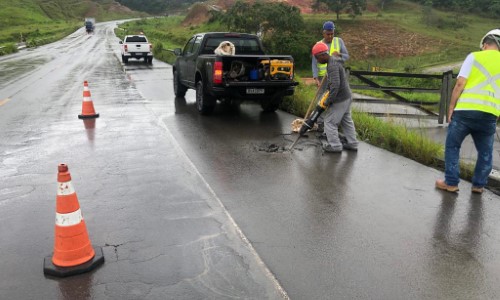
(50, 269)
(88, 116)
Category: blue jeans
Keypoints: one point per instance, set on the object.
(481, 126)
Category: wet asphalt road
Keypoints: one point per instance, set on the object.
(193, 207)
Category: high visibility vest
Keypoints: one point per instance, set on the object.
(334, 46)
(482, 90)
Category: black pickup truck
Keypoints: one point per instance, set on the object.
(249, 74)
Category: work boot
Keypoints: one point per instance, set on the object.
(328, 148)
(440, 184)
(477, 189)
(350, 147)
(342, 138)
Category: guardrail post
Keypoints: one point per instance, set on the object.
(449, 76)
(445, 96)
(442, 99)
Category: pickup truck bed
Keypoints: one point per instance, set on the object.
(250, 74)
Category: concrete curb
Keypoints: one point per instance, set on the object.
(494, 182)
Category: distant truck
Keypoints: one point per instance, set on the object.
(89, 24)
(136, 46)
(246, 74)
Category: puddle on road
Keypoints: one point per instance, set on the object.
(16, 67)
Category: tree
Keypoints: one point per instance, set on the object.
(356, 7)
(383, 3)
(243, 17)
(427, 14)
(276, 18)
(281, 27)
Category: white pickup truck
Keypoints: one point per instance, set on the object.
(136, 46)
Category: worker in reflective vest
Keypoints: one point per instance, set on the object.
(474, 109)
(336, 47)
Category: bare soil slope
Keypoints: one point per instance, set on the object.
(373, 39)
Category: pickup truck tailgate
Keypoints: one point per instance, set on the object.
(137, 48)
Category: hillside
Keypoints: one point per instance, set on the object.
(75, 9)
(41, 21)
(404, 35)
(22, 12)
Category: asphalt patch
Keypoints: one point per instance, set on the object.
(272, 148)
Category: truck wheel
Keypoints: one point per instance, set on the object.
(204, 102)
(150, 60)
(179, 89)
(124, 59)
(271, 105)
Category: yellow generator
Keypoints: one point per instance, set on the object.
(277, 69)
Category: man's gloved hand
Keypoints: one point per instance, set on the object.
(309, 123)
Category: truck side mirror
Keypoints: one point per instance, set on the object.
(121, 42)
(177, 51)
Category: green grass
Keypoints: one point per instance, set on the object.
(8, 49)
(300, 101)
(398, 139)
(24, 12)
(38, 34)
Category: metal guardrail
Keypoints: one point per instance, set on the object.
(445, 90)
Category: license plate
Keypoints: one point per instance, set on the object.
(255, 91)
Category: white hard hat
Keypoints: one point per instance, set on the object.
(495, 34)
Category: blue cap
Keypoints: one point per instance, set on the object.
(328, 25)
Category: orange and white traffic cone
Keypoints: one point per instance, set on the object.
(88, 110)
(73, 252)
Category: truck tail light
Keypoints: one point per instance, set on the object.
(150, 47)
(125, 48)
(217, 78)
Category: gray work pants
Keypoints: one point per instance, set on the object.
(339, 114)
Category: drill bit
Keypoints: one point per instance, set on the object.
(294, 143)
